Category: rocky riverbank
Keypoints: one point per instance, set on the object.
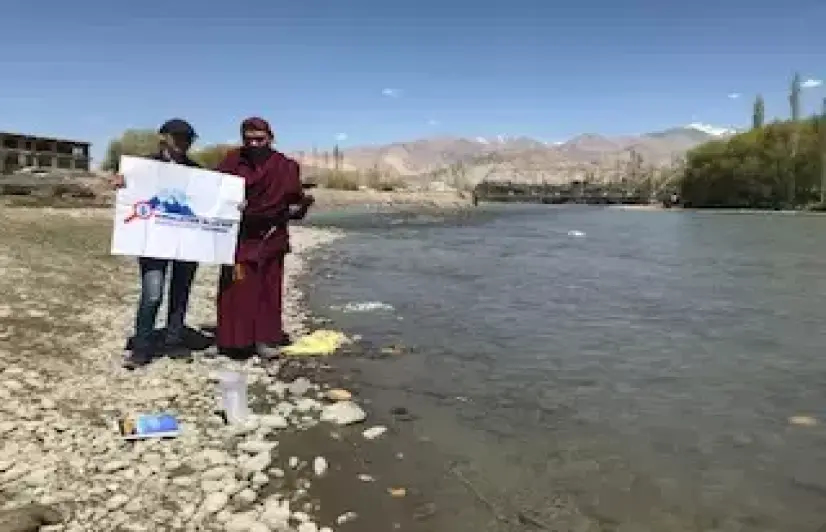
(67, 307)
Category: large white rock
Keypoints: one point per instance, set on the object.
(343, 413)
(274, 421)
(215, 502)
(374, 432)
(257, 463)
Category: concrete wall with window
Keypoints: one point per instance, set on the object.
(25, 151)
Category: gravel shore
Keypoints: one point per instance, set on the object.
(66, 309)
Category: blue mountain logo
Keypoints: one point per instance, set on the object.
(170, 205)
(172, 202)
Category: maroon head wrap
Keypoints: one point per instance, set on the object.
(257, 124)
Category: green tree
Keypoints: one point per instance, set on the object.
(794, 107)
(336, 157)
(794, 98)
(458, 176)
(822, 130)
(635, 164)
(755, 169)
(210, 156)
(138, 142)
(759, 115)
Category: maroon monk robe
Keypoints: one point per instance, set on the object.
(249, 294)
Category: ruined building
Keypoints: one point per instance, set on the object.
(18, 151)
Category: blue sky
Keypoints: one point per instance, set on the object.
(319, 69)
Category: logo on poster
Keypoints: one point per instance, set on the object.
(171, 207)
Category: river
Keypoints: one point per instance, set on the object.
(604, 369)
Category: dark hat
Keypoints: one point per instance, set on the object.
(256, 124)
(178, 126)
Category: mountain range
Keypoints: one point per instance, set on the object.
(520, 159)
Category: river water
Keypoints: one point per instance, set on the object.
(603, 369)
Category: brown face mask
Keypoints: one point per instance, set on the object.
(256, 154)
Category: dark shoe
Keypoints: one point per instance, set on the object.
(284, 341)
(177, 352)
(176, 346)
(268, 351)
(272, 349)
(137, 360)
(237, 353)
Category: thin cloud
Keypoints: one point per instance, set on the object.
(432, 122)
(341, 137)
(811, 83)
(391, 93)
(734, 95)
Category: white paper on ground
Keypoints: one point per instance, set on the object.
(171, 211)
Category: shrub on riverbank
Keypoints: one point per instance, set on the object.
(337, 180)
(759, 168)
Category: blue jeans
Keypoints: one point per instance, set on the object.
(153, 281)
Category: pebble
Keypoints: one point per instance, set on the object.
(274, 421)
(259, 479)
(374, 432)
(338, 394)
(320, 466)
(215, 502)
(343, 413)
(257, 446)
(299, 386)
(257, 463)
(301, 517)
(215, 457)
(184, 482)
(346, 517)
(305, 404)
(111, 467)
(247, 496)
(803, 421)
(276, 513)
(116, 501)
(210, 477)
(217, 473)
(308, 527)
(241, 522)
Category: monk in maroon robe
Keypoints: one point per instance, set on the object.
(250, 293)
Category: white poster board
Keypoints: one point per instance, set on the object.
(171, 211)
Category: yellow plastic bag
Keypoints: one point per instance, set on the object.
(318, 343)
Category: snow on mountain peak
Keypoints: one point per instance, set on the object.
(711, 130)
(498, 139)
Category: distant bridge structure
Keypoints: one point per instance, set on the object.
(576, 192)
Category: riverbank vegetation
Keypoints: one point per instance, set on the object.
(777, 165)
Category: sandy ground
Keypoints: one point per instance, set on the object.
(66, 308)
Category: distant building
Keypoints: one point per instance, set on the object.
(18, 151)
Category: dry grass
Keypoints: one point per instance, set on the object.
(57, 282)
